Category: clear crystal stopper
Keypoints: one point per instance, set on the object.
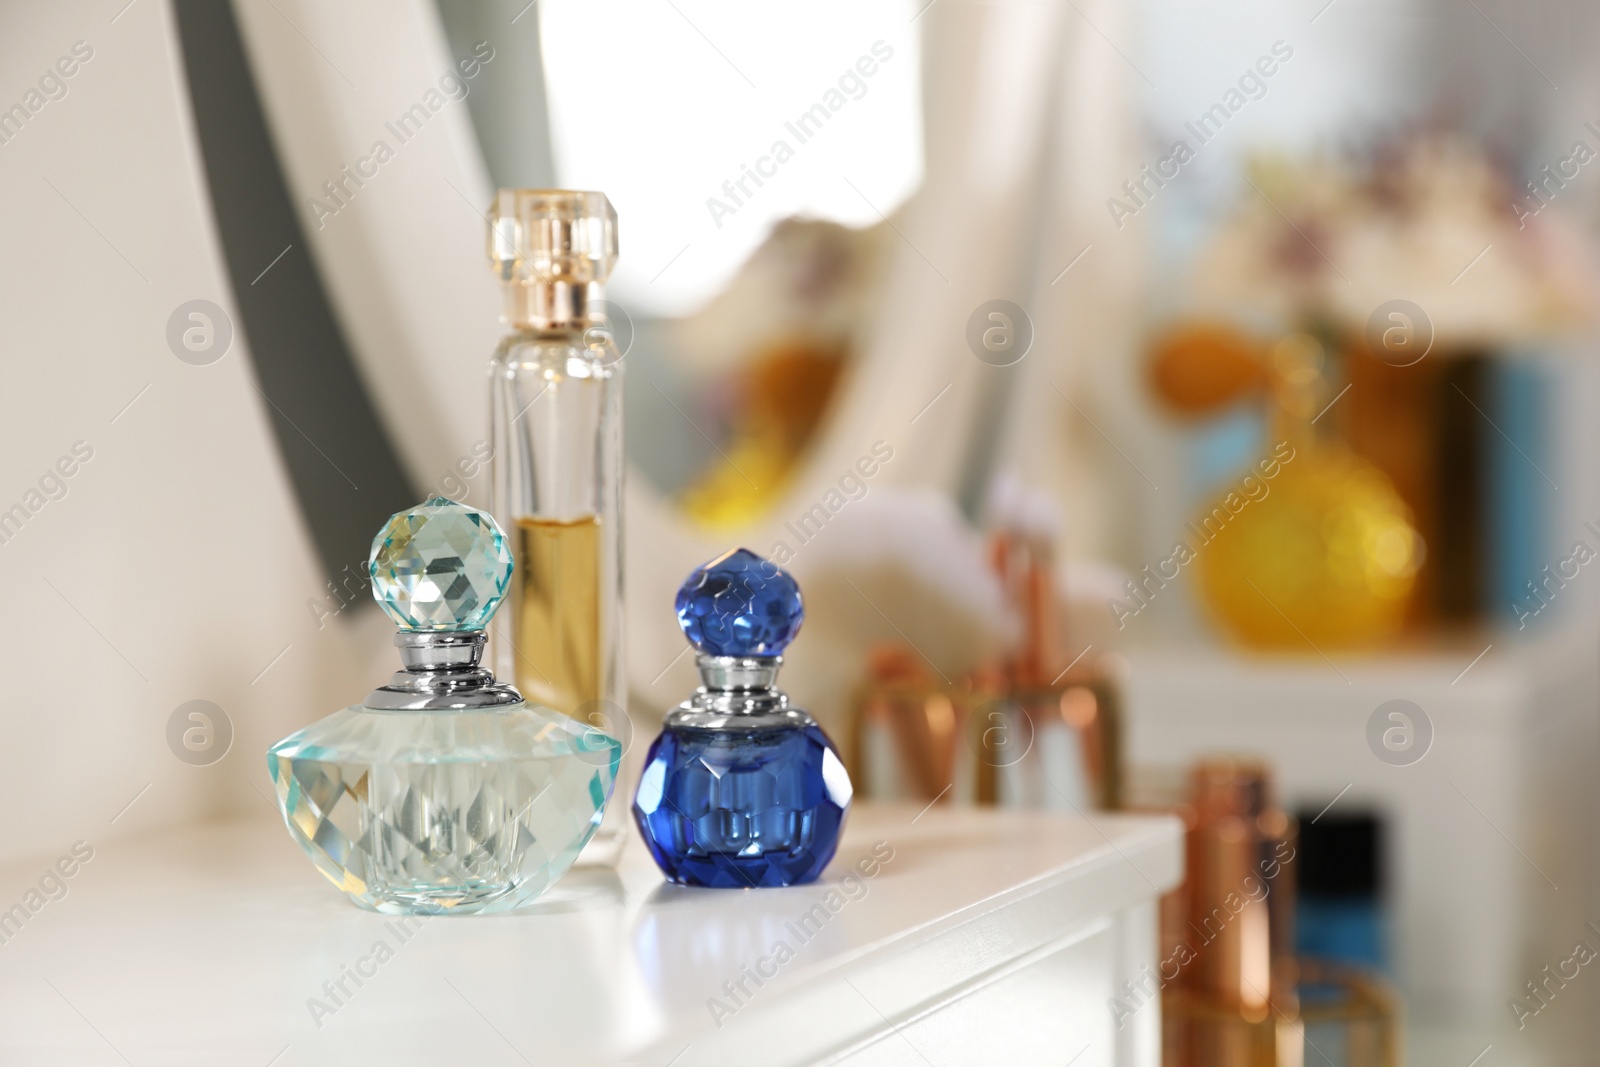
(440, 566)
(552, 235)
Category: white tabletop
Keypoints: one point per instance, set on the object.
(208, 945)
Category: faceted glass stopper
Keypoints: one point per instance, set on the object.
(740, 605)
(440, 566)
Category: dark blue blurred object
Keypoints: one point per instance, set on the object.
(1340, 913)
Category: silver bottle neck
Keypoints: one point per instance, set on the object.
(738, 692)
(442, 674)
(738, 674)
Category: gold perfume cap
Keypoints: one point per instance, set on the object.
(552, 236)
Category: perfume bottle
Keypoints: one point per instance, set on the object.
(906, 727)
(1231, 996)
(1313, 544)
(557, 467)
(741, 789)
(1049, 733)
(444, 792)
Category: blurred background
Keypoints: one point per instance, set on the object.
(1218, 380)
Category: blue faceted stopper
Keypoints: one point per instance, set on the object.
(740, 605)
(440, 566)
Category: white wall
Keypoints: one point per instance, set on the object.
(176, 566)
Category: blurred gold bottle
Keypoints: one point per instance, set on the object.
(555, 602)
(1323, 550)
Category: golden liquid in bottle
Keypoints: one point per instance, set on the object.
(556, 601)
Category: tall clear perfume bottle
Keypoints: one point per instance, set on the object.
(443, 792)
(556, 427)
(741, 789)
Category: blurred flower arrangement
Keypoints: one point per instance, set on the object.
(1324, 294)
(1431, 220)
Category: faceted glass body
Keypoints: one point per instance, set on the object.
(453, 811)
(739, 808)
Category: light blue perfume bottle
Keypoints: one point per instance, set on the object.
(742, 789)
(444, 792)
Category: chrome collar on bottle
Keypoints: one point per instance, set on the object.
(442, 674)
(738, 692)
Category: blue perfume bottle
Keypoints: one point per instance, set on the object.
(741, 789)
